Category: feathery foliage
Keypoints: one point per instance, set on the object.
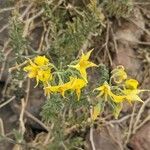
(118, 8)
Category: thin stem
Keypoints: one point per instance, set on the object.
(2, 131)
(7, 102)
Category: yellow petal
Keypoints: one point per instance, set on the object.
(32, 74)
(87, 55)
(117, 98)
(41, 60)
(83, 74)
(132, 95)
(44, 75)
(78, 92)
(63, 88)
(136, 98)
(131, 84)
(83, 64)
(91, 64)
(105, 88)
(77, 66)
(51, 89)
(63, 94)
(77, 84)
(27, 68)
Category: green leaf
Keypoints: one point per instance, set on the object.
(96, 111)
(117, 109)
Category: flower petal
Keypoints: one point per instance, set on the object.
(41, 60)
(87, 55)
(131, 84)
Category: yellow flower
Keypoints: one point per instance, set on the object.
(51, 89)
(58, 88)
(132, 95)
(131, 92)
(105, 91)
(83, 64)
(41, 61)
(131, 84)
(44, 75)
(39, 69)
(32, 69)
(77, 85)
(74, 84)
(119, 74)
(117, 98)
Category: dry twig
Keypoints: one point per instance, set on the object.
(7, 102)
(130, 125)
(91, 132)
(21, 125)
(2, 131)
(106, 43)
(139, 115)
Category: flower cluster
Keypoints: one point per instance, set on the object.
(120, 88)
(75, 84)
(41, 69)
(127, 88)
